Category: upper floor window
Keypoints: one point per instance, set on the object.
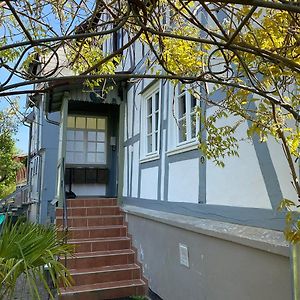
(117, 39)
(184, 121)
(150, 122)
(187, 120)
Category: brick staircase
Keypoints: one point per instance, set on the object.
(104, 265)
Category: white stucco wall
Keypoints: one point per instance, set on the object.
(135, 169)
(89, 189)
(184, 181)
(149, 183)
(240, 183)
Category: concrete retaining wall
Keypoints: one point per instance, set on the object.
(226, 261)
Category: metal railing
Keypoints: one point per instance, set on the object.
(63, 200)
(16, 199)
(61, 192)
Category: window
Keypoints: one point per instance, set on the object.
(117, 40)
(150, 122)
(184, 122)
(86, 140)
(187, 120)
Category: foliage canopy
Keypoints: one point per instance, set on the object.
(244, 58)
(26, 249)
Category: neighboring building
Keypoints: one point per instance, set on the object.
(17, 202)
(21, 175)
(202, 232)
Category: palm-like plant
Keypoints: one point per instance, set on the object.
(26, 249)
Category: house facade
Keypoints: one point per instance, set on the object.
(201, 231)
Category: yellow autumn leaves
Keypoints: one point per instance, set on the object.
(183, 57)
(87, 54)
(179, 56)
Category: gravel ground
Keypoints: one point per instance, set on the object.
(22, 291)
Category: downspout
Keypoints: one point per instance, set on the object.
(28, 178)
(29, 161)
(51, 121)
(40, 184)
(39, 156)
(29, 148)
(47, 112)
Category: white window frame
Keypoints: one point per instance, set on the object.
(191, 142)
(155, 113)
(85, 141)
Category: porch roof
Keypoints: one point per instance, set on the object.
(78, 92)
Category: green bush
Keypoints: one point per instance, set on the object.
(26, 249)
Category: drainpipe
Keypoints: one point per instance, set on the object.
(29, 148)
(40, 184)
(47, 112)
(29, 178)
(51, 121)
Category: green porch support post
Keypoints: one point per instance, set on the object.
(60, 182)
(121, 148)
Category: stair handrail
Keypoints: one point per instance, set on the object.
(64, 202)
(64, 199)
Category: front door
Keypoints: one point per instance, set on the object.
(87, 155)
(91, 154)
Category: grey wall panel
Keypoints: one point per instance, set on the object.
(48, 184)
(49, 144)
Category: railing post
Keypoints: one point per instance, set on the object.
(295, 269)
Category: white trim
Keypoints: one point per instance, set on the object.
(183, 148)
(150, 158)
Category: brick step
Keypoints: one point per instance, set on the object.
(104, 265)
(105, 290)
(92, 221)
(101, 244)
(82, 202)
(89, 211)
(86, 260)
(97, 232)
(106, 274)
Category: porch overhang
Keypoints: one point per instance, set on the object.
(79, 92)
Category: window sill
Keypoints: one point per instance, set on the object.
(149, 158)
(189, 146)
